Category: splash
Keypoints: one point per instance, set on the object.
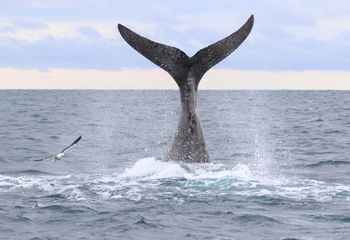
(150, 179)
(150, 168)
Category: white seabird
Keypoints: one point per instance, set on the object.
(61, 154)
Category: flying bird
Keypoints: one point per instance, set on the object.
(61, 154)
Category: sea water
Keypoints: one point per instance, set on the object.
(280, 166)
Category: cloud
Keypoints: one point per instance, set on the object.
(323, 30)
(89, 33)
(28, 23)
(7, 28)
(287, 35)
(30, 31)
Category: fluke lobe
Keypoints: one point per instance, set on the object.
(189, 144)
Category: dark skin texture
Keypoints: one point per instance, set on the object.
(189, 144)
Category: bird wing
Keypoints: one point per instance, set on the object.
(47, 158)
(75, 142)
(53, 157)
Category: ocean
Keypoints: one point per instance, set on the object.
(280, 166)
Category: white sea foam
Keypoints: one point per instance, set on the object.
(150, 179)
(150, 168)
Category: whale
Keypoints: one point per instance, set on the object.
(188, 145)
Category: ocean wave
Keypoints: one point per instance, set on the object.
(151, 180)
(327, 163)
(26, 172)
(256, 218)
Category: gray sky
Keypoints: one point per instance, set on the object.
(289, 35)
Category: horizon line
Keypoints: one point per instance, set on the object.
(158, 79)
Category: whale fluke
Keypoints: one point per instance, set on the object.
(176, 62)
(171, 59)
(208, 57)
(189, 144)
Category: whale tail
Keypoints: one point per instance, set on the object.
(176, 62)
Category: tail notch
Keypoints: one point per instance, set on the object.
(176, 62)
